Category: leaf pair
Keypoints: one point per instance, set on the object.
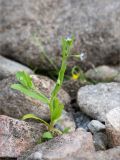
(24, 79)
(27, 87)
(32, 116)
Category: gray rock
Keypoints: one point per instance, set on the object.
(9, 67)
(113, 127)
(63, 146)
(97, 100)
(81, 120)
(96, 32)
(102, 73)
(17, 136)
(111, 154)
(96, 126)
(16, 104)
(100, 141)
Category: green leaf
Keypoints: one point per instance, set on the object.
(25, 79)
(30, 93)
(55, 103)
(32, 116)
(66, 130)
(47, 135)
(57, 110)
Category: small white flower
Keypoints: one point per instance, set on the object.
(69, 39)
(83, 56)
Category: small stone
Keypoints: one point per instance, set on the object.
(96, 126)
(113, 127)
(17, 136)
(81, 120)
(100, 141)
(63, 146)
(102, 73)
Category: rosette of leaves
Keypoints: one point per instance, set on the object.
(26, 86)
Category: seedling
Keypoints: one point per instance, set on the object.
(27, 87)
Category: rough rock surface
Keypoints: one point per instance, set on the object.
(111, 154)
(97, 100)
(96, 32)
(62, 147)
(100, 141)
(17, 136)
(81, 120)
(96, 126)
(113, 127)
(15, 104)
(9, 67)
(102, 73)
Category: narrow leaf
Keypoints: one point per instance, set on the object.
(32, 116)
(57, 112)
(31, 93)
(47, 135)
(25, 79)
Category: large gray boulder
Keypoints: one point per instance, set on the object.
(94, 23)
(97, 100)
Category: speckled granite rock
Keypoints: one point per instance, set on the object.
(62, 147)
(113, 127)
(97, 100)
(111, 154)
(17, 136)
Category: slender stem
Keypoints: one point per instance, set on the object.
(57, 130)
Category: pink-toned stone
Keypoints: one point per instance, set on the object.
(63, 146)
(111, 154)
(113, 127)
(17, 136)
